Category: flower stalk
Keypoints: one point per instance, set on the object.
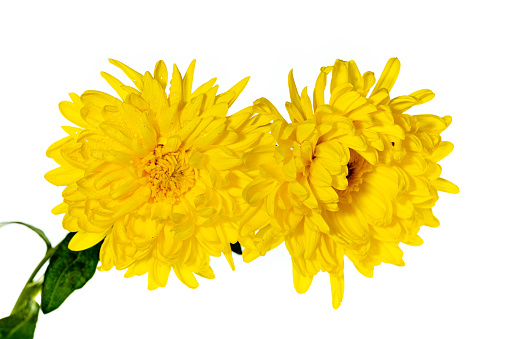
(32, 288)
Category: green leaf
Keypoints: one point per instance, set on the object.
(20, 325)
(67, 271)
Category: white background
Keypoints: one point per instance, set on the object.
(455, 285)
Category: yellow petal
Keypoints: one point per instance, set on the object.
(339, 75)
(301, 282)
(307, 109)
(432, 123)
(187, 83)
(249, 254)
(443, 149)
(320, 175)
(395, 130)
(207, 273)
(72, 113)
(311, 238)
(389, 75)
(186, 276)
(315, 221)
(368, 80)
(191, 109)
(340, 90)
(355, 142)
(125, 189)
(354, 76)
(116, 84)
(139, 197)
(311, 201)
(175, 87)
(204, 88)
(389, 252)
(363, 113)
(318, 93)
(228, 255)
(337, 283)
(83, 240)
(304, 130)
(63, 176)
(403, 103)
(161, 74)
(290, 169)
(296, 115)
(60, 208)
(299, 190)
(222, 159)
(325, 194)
(347, 102)
(135, 77)
(428, 217)
(210, 97)
(444, 185)
(158, 275)
(237, 89)
(294, 93)
(209, 137)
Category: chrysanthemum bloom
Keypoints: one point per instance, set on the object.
(355, 176)
(158, 177)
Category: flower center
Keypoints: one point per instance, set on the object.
(357, 166)
(168, 174)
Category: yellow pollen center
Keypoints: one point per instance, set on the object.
(168, 175)
(357, 167)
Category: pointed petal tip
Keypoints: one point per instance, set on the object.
(244, 81)
(192, 64)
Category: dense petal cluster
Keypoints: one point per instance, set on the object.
(157, 176)
(167, 180)
(352, 177)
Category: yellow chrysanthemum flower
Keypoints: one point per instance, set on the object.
(158, 177)
(355, 176)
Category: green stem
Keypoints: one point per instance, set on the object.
(29, 292)
(48, 255)
(32, 288)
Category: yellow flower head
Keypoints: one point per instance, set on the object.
(355, 176)
(158, 176)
